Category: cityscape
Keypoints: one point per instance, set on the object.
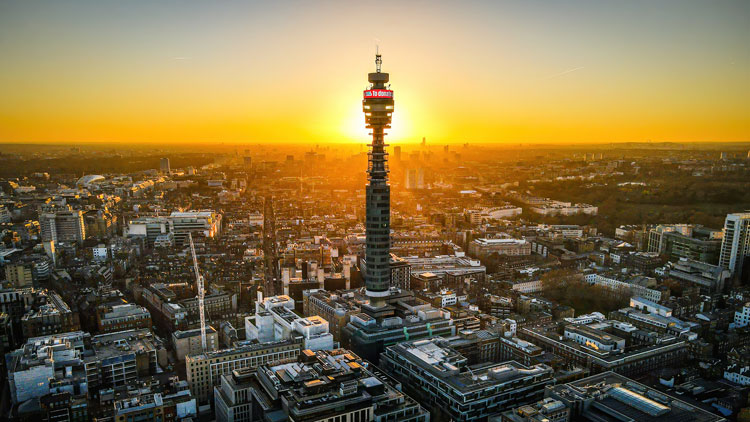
(383, 274)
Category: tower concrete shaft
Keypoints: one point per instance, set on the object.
(378, 108)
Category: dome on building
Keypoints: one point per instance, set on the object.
(89, 179)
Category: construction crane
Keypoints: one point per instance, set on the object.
(201, 293)
(269, 249)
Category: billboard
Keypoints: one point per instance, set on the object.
(378, 93)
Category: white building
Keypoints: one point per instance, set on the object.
(594, 338)
(100, 252)
(207, 223)
(532, 286)
(654, 308)
(742, 318)
(164, 240)
(275, 320)
(147, 227)
(551, 207)
(634, 289)
(736, 244)
(738, 374)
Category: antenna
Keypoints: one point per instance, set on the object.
(378, 60)
(201, 293)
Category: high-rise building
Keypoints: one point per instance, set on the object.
(62, 226)
(414, 179)
(735, 249)
(164, 165)
(378, 108)
(397, 153)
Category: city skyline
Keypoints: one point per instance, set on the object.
(511, 72)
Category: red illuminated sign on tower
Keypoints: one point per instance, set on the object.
(378, 93)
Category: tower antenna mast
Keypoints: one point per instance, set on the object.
(378, 59)
(201, 293)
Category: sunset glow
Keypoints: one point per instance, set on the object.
(512, 71)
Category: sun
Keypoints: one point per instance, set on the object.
(353, 126)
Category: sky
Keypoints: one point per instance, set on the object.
(527, 71)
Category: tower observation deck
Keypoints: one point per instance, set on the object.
(378, 108)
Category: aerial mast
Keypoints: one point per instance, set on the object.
(201, 293)
(377, 106)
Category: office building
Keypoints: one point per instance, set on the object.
(153, 403)
(513, 348)
(164, 165)
(149, 228)
(735, 247)
(709, 278)
(477, 346)
(127, 316)
(455, 271)
(48, 314)
(400, 272)
(326, 386)
(78, 362)
(440, 378)
(204, 370)
(482, 248)
(634, 286)
(217, 305)
(414, 179)
(189, 342)
(19, 274)
(275, 320)
(610, 397)
(686, 241)
(64, 407)
(404, 319)
(64, 226)
(666, 351)
(335, 307)
(205, 223)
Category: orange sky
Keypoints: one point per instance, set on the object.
(477, 71)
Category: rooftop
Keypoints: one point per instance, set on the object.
(612, 397)
(452, 368)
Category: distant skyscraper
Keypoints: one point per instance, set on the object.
(378, 108)
(735, 248)
(164, 165)
(415, 178)
(397, 153)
